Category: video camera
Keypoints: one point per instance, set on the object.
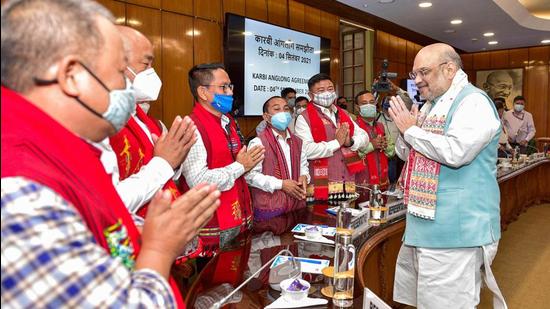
(383, 83)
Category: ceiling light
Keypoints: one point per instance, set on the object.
(385, 1)
(493, 42)
(488, 34)
(545, 41)
(450, 31)
(425, 4)
(474, 39)
(456, 21)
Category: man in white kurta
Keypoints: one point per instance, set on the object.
(452, 232)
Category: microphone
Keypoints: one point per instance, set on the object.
(220, 303)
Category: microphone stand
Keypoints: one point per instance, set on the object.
(220, 303)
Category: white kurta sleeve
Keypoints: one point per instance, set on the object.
(312, 149)
(473, 126)
(256, 179)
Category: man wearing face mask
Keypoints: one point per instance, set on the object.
(289, 95)
(519, 125)
(218, 156)
(67, 238)
(331, 140)
(373, 154)
(280, 181)
(146, 157)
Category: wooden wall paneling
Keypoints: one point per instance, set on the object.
(467, 61)
(482, 61)
(330, 28)
(277, 12)
(518, 58)
(179, 6)
(211, 9)
(177, 55)
(547, 102)
(393, 48)
(148, 3)
(312, 20)
(537, 95)
(401, 50)
(377, 67)
(410, 53)
(256, 9)
(382, 45)
(471, 76)
(539, 55)
(148, 21)
(117, 8)
(248, 125)
(499, 59)
(402, 72)
(335, 68)
(234, 6)
(296, 14)
(207, 44)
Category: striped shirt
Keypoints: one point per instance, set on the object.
(51, 260)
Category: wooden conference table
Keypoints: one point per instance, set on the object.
(205, 280)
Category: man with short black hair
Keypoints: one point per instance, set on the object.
(218, 156)
(331, 140)
(289, 94)
(519, 125)
(279, 181)
(342, 102)
(67, 238)
(373, 154)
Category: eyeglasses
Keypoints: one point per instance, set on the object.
(224, 86)
(422, 72)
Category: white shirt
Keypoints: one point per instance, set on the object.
(472, 127)
(519, 129)
(195, 168)
(326, 149)
(269, 183)
(139, 188)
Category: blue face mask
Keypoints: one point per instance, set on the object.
(281, 120)
(222, 103)
(368, 110)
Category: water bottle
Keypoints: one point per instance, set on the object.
(344, 271)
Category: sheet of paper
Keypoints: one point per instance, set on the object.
(314, 266)
(325, 230)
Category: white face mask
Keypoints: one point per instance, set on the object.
(325, 99)
(146, 85)
(299, 110)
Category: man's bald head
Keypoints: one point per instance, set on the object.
(139, 50)
(435, 67)
(439, 52)
(498, 84)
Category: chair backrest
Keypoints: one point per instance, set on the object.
(377, 258)
(372, 301)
